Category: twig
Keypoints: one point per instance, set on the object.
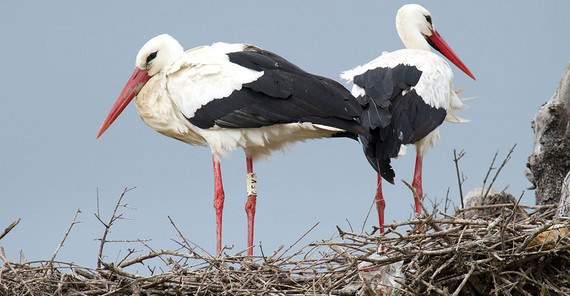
(186, 241)
(73, 222)
(302, 236)
(120, 271)
(447, 221)
(416, 195)
(443, 266)
(9, 228)
(16, 273)
(447, 201)
(22, 257)
(489, 171)
(114, 217)
(129, 253)
(533, 235)
(507, 158)
(475, 208)
(459, 181)
(516, 209)
(154, 254)
(439, 291)
(464, 281)
(367, 215)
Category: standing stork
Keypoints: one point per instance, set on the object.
(406, 95)
(234, 95)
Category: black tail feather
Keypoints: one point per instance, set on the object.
(393, 114)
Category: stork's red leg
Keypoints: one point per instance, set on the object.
(380, 205)
(218, 201)
(417, 183)
(250, 204)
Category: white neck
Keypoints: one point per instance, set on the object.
(413, 40)
(412, 27)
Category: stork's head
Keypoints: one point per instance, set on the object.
(413, 22)
(158, 53)
(416, 29)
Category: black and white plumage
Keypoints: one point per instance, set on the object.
(283, 94)
(394, 113)
(406, 95)
(230, 96)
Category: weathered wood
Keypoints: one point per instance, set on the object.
(550, 161)
(563, 209)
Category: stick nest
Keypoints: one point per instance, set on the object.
(509, 253)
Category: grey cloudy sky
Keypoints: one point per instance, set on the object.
(64, 64)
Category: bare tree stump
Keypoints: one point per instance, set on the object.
(550, 161)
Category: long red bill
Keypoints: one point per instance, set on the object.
(131, 89)
(437, 42)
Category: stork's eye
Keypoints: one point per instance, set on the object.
(151, 57)
(428, 18)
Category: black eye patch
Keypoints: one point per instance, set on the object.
(428, 18)
(151, 57)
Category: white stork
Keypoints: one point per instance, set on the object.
(234, 95)
(406, 95)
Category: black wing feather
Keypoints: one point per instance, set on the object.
(283, 94)
(393, 119)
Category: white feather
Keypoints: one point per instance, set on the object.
(206, 74)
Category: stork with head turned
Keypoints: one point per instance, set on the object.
(406, 95)
(232, 96)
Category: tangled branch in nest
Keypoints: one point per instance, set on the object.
(440, 255)
(499, 255)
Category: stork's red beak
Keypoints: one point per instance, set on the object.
(437, 42)
(134, 85)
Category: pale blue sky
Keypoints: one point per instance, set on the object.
(64, 64)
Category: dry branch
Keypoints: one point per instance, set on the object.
(73, 222)
(12, 225)
(114, 217)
